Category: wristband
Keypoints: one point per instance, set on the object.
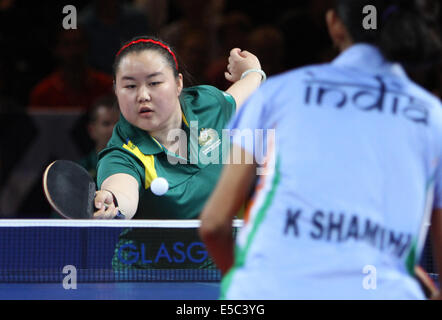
(262, 73)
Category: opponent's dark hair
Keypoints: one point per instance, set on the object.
(404, 32)
(142, 43)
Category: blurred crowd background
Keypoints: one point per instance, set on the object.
(44, 67)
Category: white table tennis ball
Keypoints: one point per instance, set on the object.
(159, 186)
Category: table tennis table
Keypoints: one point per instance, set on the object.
(111, 291)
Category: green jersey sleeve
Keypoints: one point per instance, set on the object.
(118, 161)
(230, 99)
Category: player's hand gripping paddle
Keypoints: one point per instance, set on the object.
(70, 190)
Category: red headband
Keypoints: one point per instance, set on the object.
(151, 41)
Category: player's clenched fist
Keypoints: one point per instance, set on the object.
(239, 62)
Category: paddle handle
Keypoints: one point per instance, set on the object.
(120, 215)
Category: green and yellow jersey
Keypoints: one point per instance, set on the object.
(206, 112)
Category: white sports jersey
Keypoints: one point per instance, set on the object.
(357, 168)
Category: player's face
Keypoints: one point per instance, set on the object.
(147, 90)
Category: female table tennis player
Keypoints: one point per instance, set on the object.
(154, 106)
(161, 162)
(356, 160)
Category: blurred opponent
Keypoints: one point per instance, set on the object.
(352, 177)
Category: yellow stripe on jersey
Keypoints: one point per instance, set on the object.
(185, 120)
(147, 160)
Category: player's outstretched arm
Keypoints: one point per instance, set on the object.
(217, 216)
(124, 188)
(436, 237)
(239, 63)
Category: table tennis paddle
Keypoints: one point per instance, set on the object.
(426, 282)
(70, 190)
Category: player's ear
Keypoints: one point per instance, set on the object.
(331, 20)
(179, 83)
(337, 30)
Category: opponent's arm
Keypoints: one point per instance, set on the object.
(125, 189)
(240, 62)
(436, 237)
(217, 216)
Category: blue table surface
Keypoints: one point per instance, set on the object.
(112, 291)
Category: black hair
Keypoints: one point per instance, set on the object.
(404, 32)
(107, 101)
(141, 46)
